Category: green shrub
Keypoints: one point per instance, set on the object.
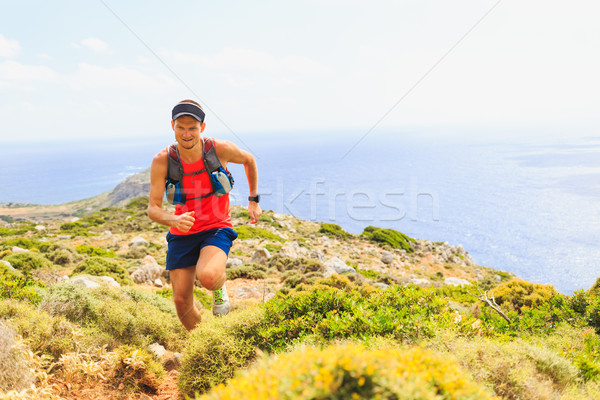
(541, 319)
(17, 228)
(61, 257)
(517, 294)
(579, 301)
(326, 313)
(136, 371)
(249, 232)
(247, 271)
(353, 372)
(101, 267)
(302, 265)
(27, 262)
(136, 252)
(139, 203)
(23, 243)
(92, 220)
(94, 251)
(43, 333)
(217, 348)
(334, 230)
(17, 286)
(391, 237)
(75, 229)
(594, 291)
(273, 248)
(515, 369)
(114, 316)
(593, 314)
(15, 369)
(293, 278)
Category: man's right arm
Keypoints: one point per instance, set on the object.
(158, 175)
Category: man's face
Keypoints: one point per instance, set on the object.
(187, 131)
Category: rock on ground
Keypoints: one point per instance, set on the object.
(138, 241)
(148, 272)
(337, 266)
(233, 263)
(452, 281)
(387, 257)
(85, 282)
(260, 256)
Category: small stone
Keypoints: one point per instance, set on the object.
(40, 228)
(63, 237)
(381, 285)
(387, 257)
(85, 282)
(172, 361)
(74, 219)
(158, 282)
(424, 268)
(339, 266)
(498, 278)
(261, 255)
(317, 254)
(17, 249)
(10, 267)
(138, 241)
(245, 292)
(109, 281)
(233, 263)
(453, 281)
(107, 233)
(288, 251)
(420, 282)
(157, 349)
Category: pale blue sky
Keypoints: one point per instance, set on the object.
(71, 69)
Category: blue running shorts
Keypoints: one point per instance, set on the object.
(184, 250)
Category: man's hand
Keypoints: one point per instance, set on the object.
(185, 221)
(254, 211)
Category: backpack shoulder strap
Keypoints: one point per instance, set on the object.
(174, 166)
(210, 158)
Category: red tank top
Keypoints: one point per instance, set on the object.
(210, 212)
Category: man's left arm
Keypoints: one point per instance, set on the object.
(229, 152)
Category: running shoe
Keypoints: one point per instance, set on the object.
(221, 303)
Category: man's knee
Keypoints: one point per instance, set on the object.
(211, 278)
(183, 303)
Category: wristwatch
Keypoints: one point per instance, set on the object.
(255, 199)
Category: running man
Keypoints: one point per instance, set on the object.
(200, 233)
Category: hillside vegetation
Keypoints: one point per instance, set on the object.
(318, 313)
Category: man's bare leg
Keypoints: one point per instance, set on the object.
(211, 274)
(182, 280)
(211, 267)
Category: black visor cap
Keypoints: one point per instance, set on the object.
(187, 109)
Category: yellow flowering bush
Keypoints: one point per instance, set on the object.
(352, 371)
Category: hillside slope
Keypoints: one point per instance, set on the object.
(86, 312)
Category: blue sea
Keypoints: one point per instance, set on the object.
(522, 206)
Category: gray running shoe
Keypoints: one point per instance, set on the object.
(221, 303)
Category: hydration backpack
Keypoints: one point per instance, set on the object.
(220, 179)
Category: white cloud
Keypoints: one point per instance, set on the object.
(8, 47)
(44, 56)
(96, 77)
(12, 71)
(95, 44)
(240, 59)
